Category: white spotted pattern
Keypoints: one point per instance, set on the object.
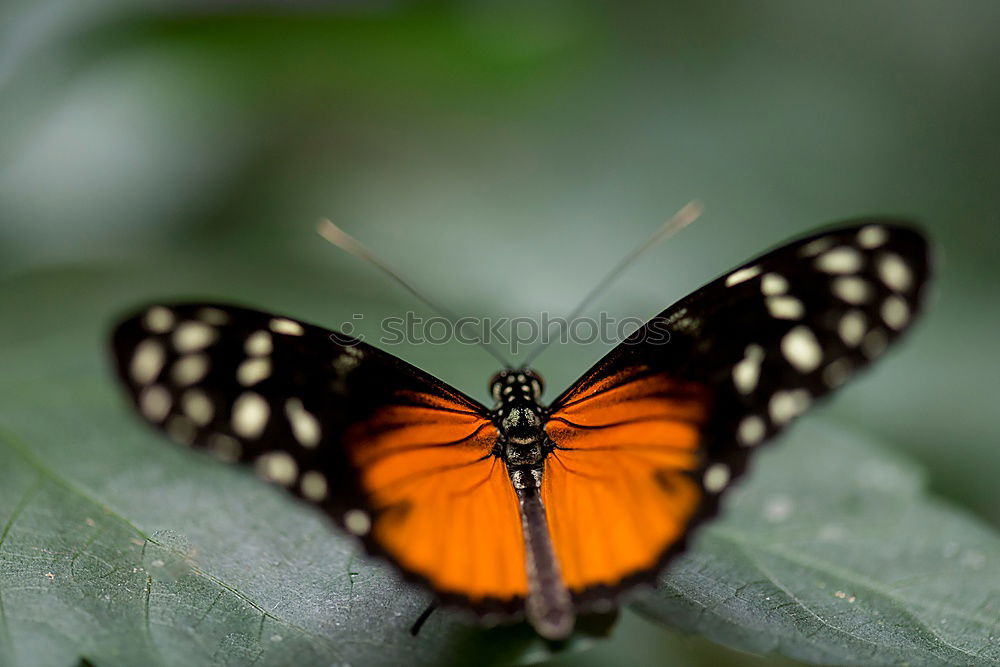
(801, 349)
(346, 362)
(816, 246)
(283, 325)
(786, 405)
(785, 307)
(357, 522)
(189, 369)
(258, 344)
(147, 362)
(196, 405)
(852, 327)
(840, 260)
(305, 426)
(894, 272)
(747, 372)
(158, 319)
(716, 477)
(746, 273)
(154, 403)
(192, 336)
(895, 312)
(852, 289)
(277, 467)
(872, 236)
(253, 370)
(314, 486)
(751, 430)
(250, 415)
(773, 284)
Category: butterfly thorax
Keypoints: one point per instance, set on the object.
(522, 444)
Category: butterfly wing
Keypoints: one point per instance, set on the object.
(650, 435)
(386, 450)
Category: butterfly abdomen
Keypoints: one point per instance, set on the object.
(549, 606)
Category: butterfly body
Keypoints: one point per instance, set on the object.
(526, 507)
(519, 416)
(523, 445)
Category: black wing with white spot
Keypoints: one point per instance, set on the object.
(795, 323)
(274, 392)
(739, 359)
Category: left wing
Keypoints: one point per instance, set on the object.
(648, 438)
(388, 452)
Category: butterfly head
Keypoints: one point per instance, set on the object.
(516, 384)
(519, 415)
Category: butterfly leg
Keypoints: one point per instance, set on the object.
(549, 606)
(424, 615)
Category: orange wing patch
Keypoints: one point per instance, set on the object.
(444, 507)
(617, 489)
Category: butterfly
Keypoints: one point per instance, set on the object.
(545, 509)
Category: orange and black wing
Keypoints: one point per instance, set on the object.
(388, 452)
(647, 439)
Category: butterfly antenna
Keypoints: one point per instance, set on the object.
(684, 217)
(348, 243)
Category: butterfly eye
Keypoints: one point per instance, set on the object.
(537, 384)
(496, 384)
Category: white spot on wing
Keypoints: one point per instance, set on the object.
(154, 403)
(258, 344)
(894, 272)
(742, 275)
(347, 361)
(305, 426)
(772, 284)
(277, 467)
(283, 325)
(357, 522)
(253, 370)
(147, 361)
(747, 371)
(250, 414)
(895, 312)
(192, 336)
(196, 405)
(816, 246)
(852, 327)
(314, 486)
(786, 405)
(840, 260)
(785, 307)
(158, 319)
(872, 236)
(802, 349)
(852, 289)
(189, 369)
(716, 477)
(751, 430)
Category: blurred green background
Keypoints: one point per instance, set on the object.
(504, 155)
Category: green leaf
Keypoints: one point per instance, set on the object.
(834, 553)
